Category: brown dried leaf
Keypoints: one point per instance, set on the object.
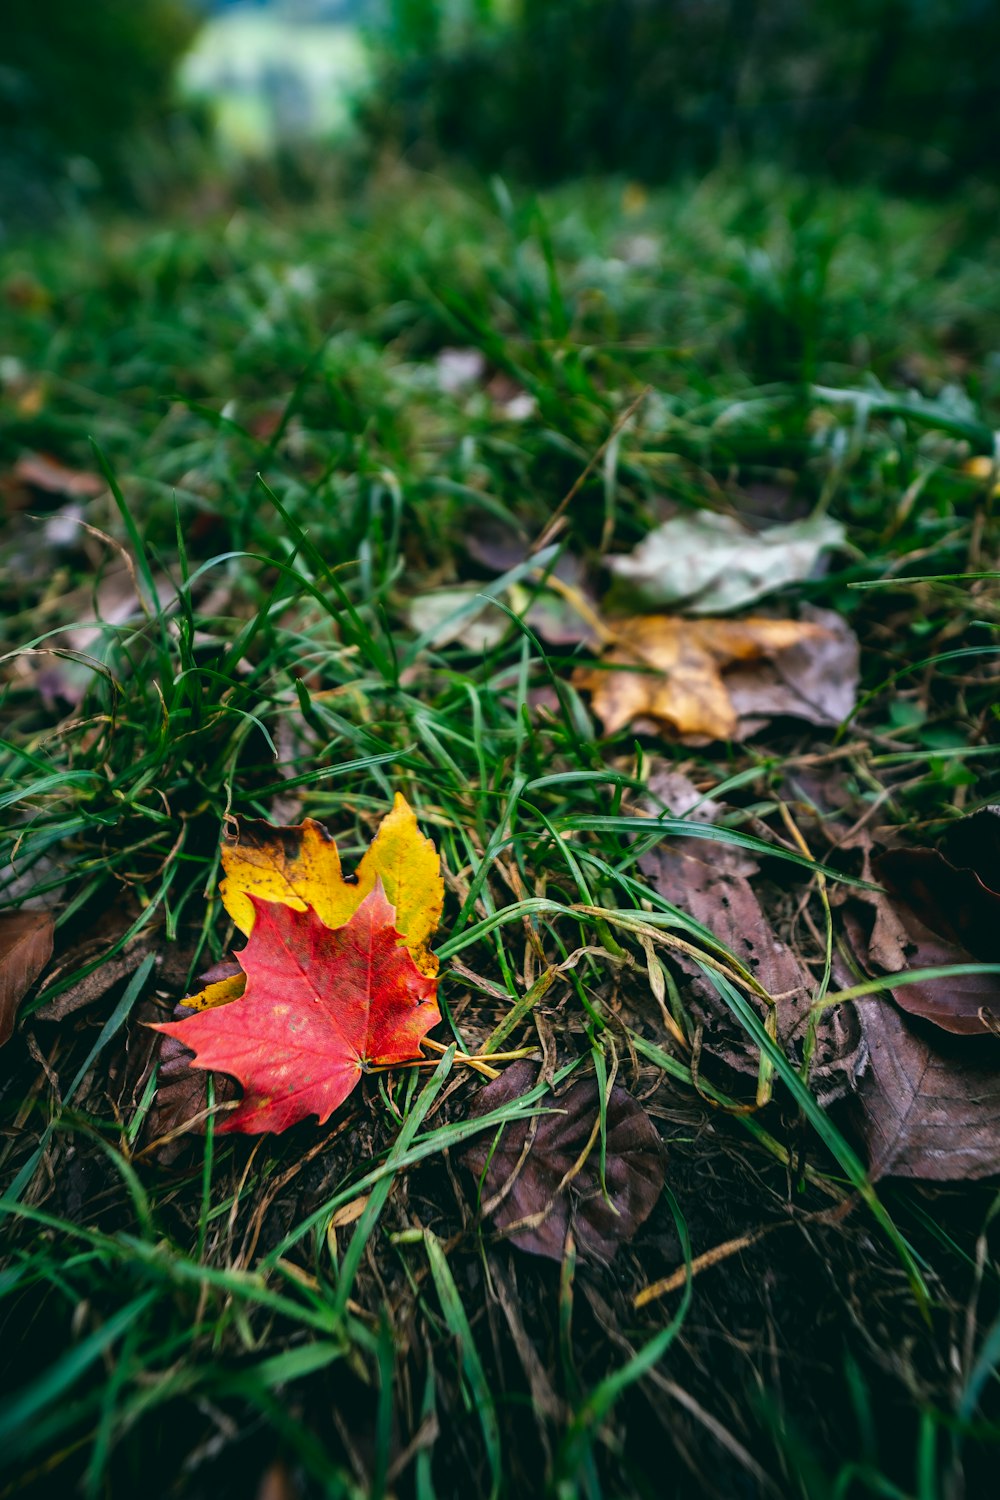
(43, 472)
(930, 1100)
(671, 670)
(710, 883)
(495, 546)
(930, 1103)
(277, 1483)
(679, 795)
(348, 1213)
(116, 602)
(532, 1178)
(933, 914)
(92, 986)
(563, 612)
(958, 1004)
(973, 843)
(955, 903)
(25, 949)
(816, 680)
(181, 1096)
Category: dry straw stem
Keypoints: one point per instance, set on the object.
(732, 969)
(704, 1262)
(527, 1002)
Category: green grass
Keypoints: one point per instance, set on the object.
(285, 475)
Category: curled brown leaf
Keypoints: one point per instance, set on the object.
(539, 1178)
(25, 949)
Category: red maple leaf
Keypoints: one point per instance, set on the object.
(319, 1007)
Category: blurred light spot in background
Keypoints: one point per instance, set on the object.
(278, 72)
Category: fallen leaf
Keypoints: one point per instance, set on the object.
(181, 1100)
(42, 472)
(98, 951)
(932, 914)
(276, 1483)
(563, 612)
(929, 1102)
(458, 614)
(93, 986)
(497, 546)
(973, 843)
(300, 867)
(710, 883)
(321, 1006)
(815, 680)
(709, 563)
(556, 602)
(348, 1213)
(115, 602)
(538, 1181)
(25, 949)
(954, 902)
(668, 670)
(674, 791)
(218, 990)
(771, 502)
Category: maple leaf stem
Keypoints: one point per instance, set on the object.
(464, 1057)
(431, 1062)
(478, 1060)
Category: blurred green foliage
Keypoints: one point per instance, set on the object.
(79, 82)
(899, 90)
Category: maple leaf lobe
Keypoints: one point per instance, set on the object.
(299, 867)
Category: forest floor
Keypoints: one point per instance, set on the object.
(305, 508)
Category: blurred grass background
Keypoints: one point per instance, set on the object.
(898, 92)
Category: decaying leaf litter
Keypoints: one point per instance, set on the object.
(461, 1276)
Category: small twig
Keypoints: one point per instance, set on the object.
(676, 1279)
